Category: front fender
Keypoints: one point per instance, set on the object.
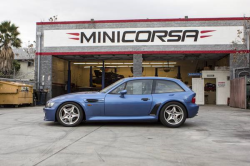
(58, 104)
(90, 109)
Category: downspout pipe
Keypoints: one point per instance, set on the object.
(39, 34)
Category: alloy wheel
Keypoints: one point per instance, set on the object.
(173, 114)
(69, 114)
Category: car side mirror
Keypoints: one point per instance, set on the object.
(123, 92)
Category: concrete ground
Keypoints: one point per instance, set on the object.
(220, 135)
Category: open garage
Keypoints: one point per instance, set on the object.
(86, 71)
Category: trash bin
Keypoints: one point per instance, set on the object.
(12, 93)
(41, 97)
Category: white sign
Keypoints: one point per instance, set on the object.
(142, 36)
(24, 88)
(221, 84)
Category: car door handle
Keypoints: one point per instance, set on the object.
(145, 99)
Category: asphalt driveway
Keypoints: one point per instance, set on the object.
(220, 135)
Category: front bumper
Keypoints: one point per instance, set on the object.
(50, 114)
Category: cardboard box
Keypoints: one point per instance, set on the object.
(221, 68)
(207, 68)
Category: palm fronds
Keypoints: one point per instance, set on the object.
(8, 38)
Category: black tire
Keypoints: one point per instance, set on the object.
(173, 120)
(75, 120)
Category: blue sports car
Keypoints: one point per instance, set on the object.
(130, 99)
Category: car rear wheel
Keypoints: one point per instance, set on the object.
(70, 114)
(173, 114)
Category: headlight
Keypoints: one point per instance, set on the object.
(49, 104)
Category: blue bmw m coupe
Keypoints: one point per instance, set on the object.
(130, 99)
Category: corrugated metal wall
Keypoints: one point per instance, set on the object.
(238, 93)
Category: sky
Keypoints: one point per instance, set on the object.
(25, 13)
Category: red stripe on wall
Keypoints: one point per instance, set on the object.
(76, 34)
(205, 36)
(74, 38)
(207, 31)
(144, 52)
(145, 20)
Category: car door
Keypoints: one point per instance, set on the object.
(137, 101)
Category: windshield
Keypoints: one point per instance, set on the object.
(111, 86)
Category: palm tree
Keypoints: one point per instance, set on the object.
(8, 39)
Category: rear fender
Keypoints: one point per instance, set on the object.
(166, 102)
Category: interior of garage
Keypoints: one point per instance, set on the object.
(86, 70)
(210, 90)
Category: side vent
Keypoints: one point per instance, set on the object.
(92, 100)
(154, 110)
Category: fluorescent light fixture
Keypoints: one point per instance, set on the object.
(110, 66)
(144, 63)
(104, 63)
(79, 63)
(128, 63)
(162, 65)
(154, 63)
(168, 66)
(86, 66)
(91, 63)
(157, 66)
(171, 63)
(116, 63)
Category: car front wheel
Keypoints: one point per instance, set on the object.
(173, 114)
(69, 114)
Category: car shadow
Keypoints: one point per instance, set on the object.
(122, 124)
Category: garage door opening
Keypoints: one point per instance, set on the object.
(210, 90)
(85, 73)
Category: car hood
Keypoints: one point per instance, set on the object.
(79, 95)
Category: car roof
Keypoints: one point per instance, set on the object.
(155, 78)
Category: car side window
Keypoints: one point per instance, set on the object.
(118, 89)
(139, 87)
(167, 87)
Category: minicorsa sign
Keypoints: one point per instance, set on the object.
(142, 36)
